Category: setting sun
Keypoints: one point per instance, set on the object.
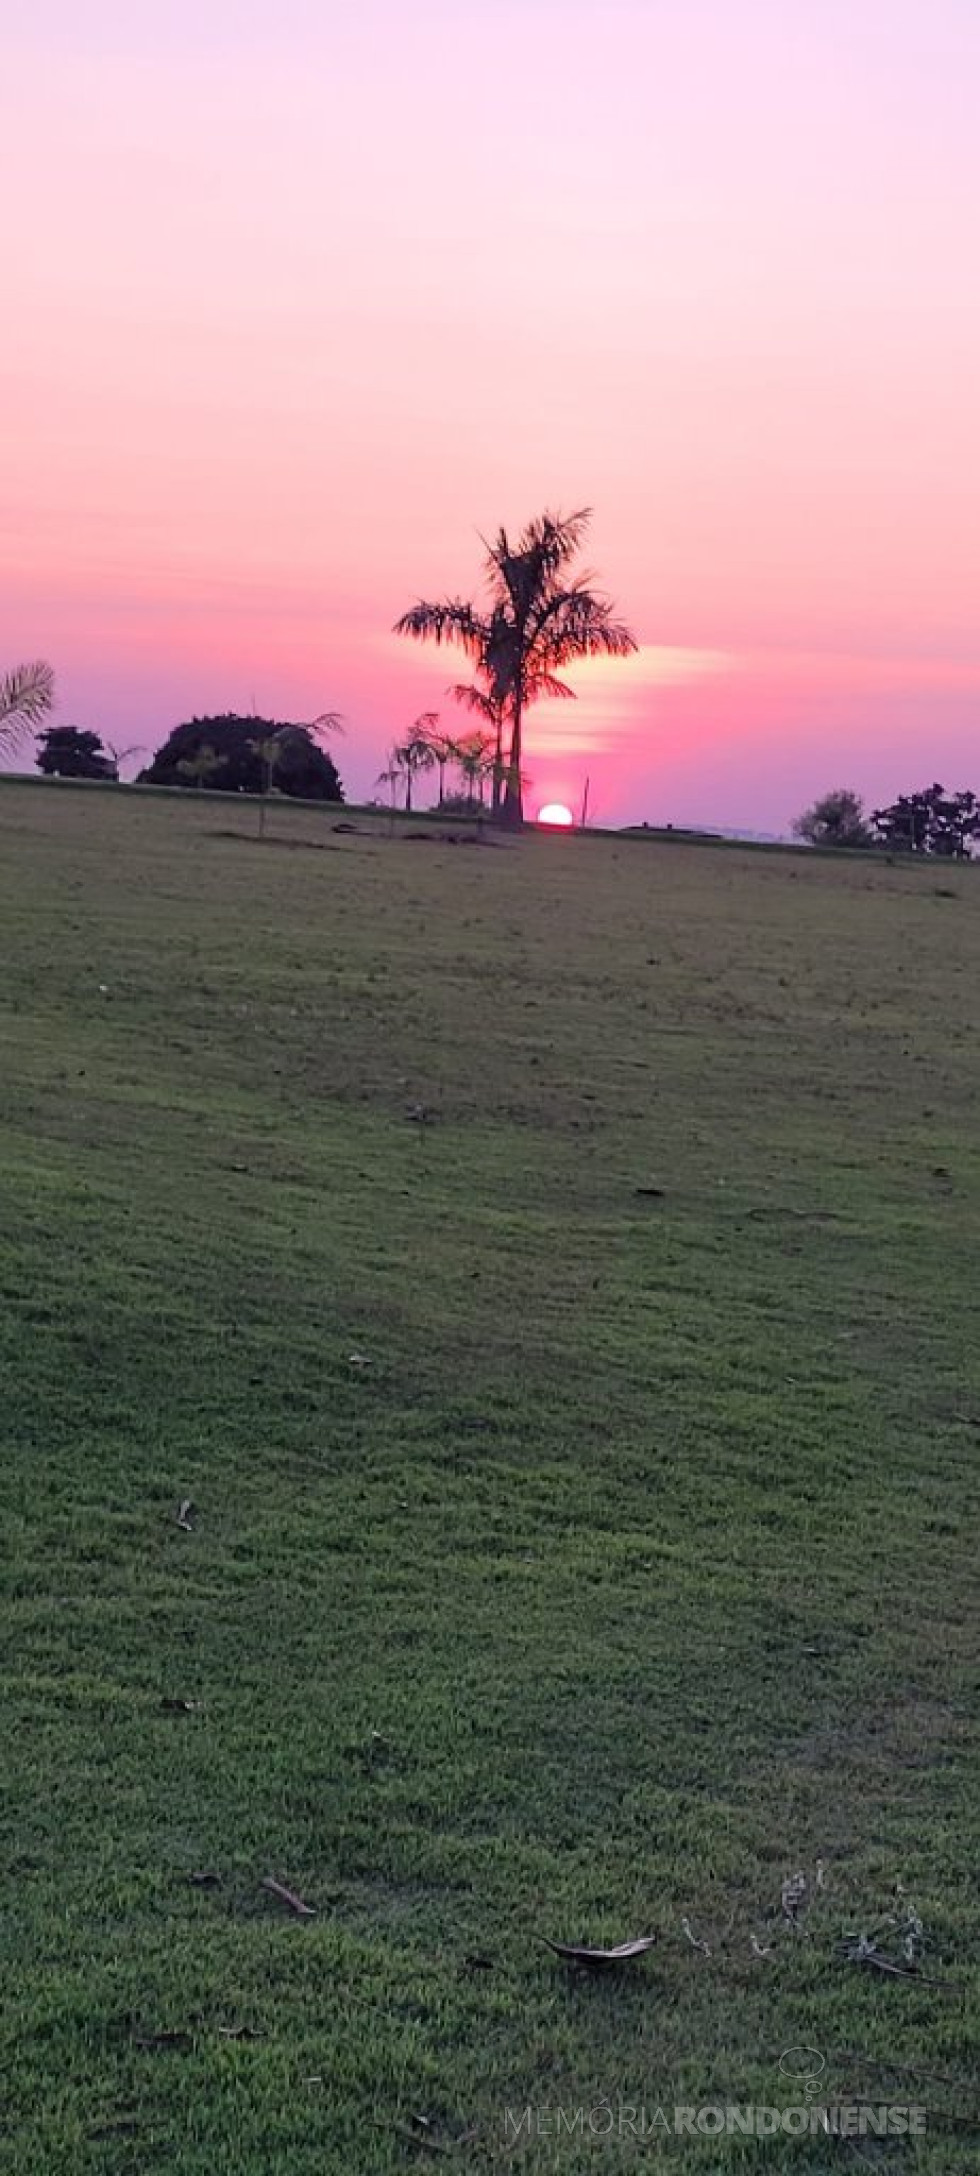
(557, 814)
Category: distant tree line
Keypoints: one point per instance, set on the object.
(428, 748)
(228, 754)
(539, 614)
(932, 821)
(232, 754)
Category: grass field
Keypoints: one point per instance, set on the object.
(584, 1481)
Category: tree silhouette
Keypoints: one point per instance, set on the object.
(837, 819)
(391, 777)
(491, 708)
(538, 621)
(442, 745)
(26, 696)
(66, 752)
(286, 744)
(930, 822)
(416, 754)
(303, 771)
(475, 757)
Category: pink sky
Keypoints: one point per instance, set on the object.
(299, 298)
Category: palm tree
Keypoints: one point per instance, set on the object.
(538, 620)
(475, 757)
(270, 754)
(199, 768)
(483, 637)
(491, 708)
(281, 743)
(442, 746)
(390, 777)
(26, 696)
(416, 754)
(122, 755)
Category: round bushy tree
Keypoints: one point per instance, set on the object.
(66, 752)
(241, 746)
(837, 819)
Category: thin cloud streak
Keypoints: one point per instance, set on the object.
(609, 693)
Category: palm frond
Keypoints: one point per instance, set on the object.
(26, 696)
(416, 753)
(594, 633)
(544, 683)
(451, 620)
(556, 538)
(474, 698)
(475, 747)
(521, 571)
(576, 623)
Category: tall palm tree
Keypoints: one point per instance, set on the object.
(26, 696)
(538, 621)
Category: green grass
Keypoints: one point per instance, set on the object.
(634, 1571)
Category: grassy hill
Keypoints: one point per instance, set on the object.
(548, 1270)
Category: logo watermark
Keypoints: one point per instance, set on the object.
(804, 2066)
(715, 2119)
(810, 2116)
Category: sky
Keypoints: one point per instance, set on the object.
(303, 299)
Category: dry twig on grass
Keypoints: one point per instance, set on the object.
(860, 1949)
(597, 1960)
(908, 2070)
(288, 1897)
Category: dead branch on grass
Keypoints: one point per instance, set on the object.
(289, 1898)
(597, 1960)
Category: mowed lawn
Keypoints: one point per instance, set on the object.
(550, 1272)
